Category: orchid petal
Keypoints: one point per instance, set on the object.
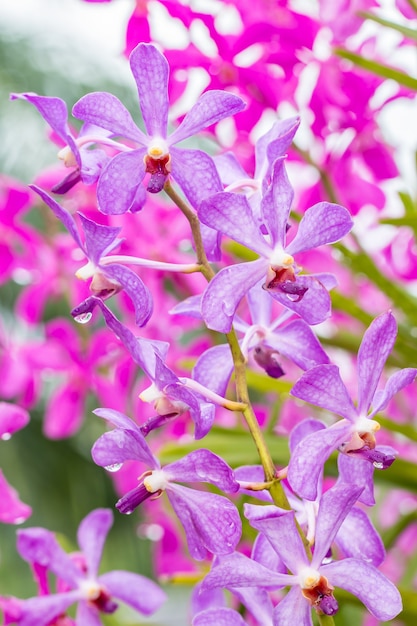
(211, 107)
(231, 214)
(321, 224)
(12, 418)
(62, 214)
(53, 110)
(358, 538)
(274, 144)
(195, 173)
(117, 419)
(334, 505)
(87, 614)
(379, 595)
(395, 383)
(211, 522)
(359, 472)
(12, 510)
(135, 289)
(41, 611)
(203, 466)
(98, 238)
(314, 306)
(218, 617)
(297, 342)
(323, 386)
(308, 458)
(214, 368)
(276, 204)
(118, 446)
(374, 350)
(225, 291)
(105, 110)
(135, 590)
(150, 70)
(119, 181)
(302, 430)
(281, 531)
(238, 570)
(293, 609)
(91, 537)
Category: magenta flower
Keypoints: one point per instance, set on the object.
(119, 187)
(211, 522)
(232, 215)
(94, 593)
(312, 582)
(107, 279)
(354, 435)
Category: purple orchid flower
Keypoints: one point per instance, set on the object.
(107, 279)
(232, 215)
(87, 163)
(94, 593)
(266, 339)
(120, 183)
(211, 522)
(312, 581)
(354, 435)
(171, 395)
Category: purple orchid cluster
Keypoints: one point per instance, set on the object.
(242, 266)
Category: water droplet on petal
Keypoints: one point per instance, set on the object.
(19, 520)
(114, 467)
(378, 465)
(6, 436)
(83, 318)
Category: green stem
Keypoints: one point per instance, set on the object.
(325, 620)
(276, 489)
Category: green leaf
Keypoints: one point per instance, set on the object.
(410, 33)
(378, 68)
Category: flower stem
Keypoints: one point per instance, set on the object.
(242, 393)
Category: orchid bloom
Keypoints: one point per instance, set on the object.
(354, 435)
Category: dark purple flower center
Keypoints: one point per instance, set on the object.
(128, 503)
(68, 182)
(159, 170)
(267, 359)
(321, 597)
(285, 281)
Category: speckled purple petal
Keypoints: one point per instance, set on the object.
(117, 419)
(276, 204)
(135, 590)
(87, 614)
(38, 545)
(262, 553)
(363, 580)
(334, 506)
(194, 171)
(297, 342)
(119, 445)
(135, 289)
(150, 70)
(359, 472)
(280, 529)
(105, 110)
(211, 107)
(211, 522)
(293, 609)
(358, 538)
(218, 617)
(214, 368)
(41, 611)
(374, 350)
(225, 291)
(119, 181)
(321, 224)
(302, 430)
(203, 466)
(62, 214)
(274, 144)
(229, 168)
(98, 238)
(203, 420)
(231, 214)
(53, 110)
(395, 383)
(323, 386)
(308, 458)
(91, 536)
(314, 307)
(238, 570)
